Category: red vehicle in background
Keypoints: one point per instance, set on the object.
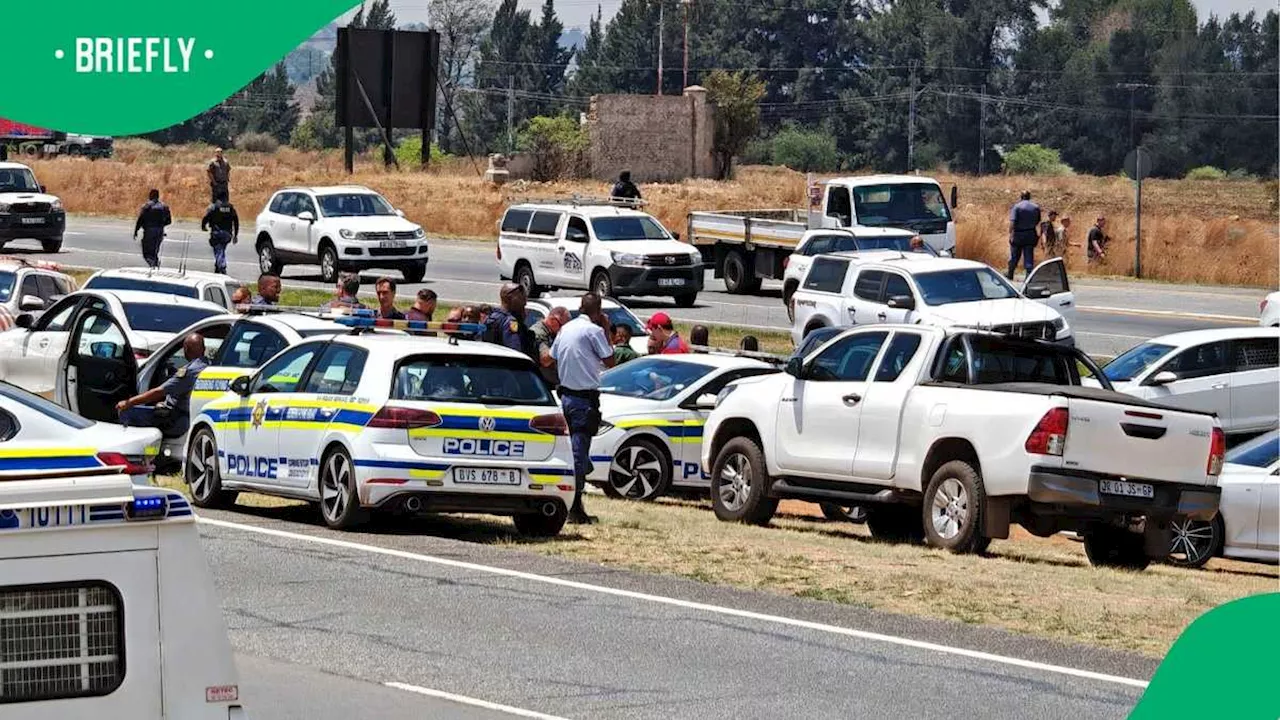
(34, 142)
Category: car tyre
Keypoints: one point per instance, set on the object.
(539, 525)
(328, 263)
(602, 284)
(202, 474)
(1195, 541)
(740, 484)
(641, 470)
(52, 246)
(414, 272)
(686, 301)
(339, 496)
(855, 514)
(739, 279)
(1113, 547)
(955, 501)
(895, 523)
(268, 262)
(524, 278)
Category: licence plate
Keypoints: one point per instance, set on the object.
(670, 282)
(1128, 489)
(392, 244)
(485, 476)
(46, 517)
(32, 221)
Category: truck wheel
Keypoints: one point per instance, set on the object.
(740, 484)
(414, 272)
(895, 523)
(1113, 547)
(686, 301)
(641, 471)
(1195, 541)
(738, 278)
(539, 524)
(339, 498)
(52, 246)
(268, 263)
(855, 514)
(602, 284)
(202, 474)
(524, 278)
(954, 501)
(328, 263)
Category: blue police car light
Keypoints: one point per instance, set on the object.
(361, 320)
(147, 508)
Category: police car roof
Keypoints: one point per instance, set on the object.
(130, 297)
(718, 360)
(167, 275)
(403, 345)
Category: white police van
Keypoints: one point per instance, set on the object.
(605, 246)
(107, 606)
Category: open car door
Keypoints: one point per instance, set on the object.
(98, 368)
(1048, 284)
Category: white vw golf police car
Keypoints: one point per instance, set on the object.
(652, 411)
(363, 421)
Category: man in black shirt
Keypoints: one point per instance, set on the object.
(223, 225)
(152, 220)
(625, 189)
(1097, 240)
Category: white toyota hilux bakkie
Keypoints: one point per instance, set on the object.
(951, 435)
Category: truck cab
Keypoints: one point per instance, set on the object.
(107, 605)
(906, 202)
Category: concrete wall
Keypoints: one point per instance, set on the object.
(665, 138)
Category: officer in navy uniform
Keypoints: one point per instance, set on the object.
(153, 218)
(506, 326)
(168, 407)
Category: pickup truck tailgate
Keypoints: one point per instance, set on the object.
(1138, 441)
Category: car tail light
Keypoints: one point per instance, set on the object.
(131, 466)
(786, 261)
(403, 418)
(1050, 435)
(553, 424)
(1217, 451)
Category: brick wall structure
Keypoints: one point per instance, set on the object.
(658, 138)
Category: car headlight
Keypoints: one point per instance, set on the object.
(419, 233)
(4, 207)
(628, 259)
(347, 234)
(604, 428)
(56, 205)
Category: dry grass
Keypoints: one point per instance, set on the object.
(1203, 232)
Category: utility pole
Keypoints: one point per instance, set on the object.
(1133, 119)
(511, 113)
(685, 81)
(982, 131)
(661, 32)
(911, 123)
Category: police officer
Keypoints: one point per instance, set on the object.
(506, 326)
(223, 225)
(268, 290)
(624, 189)
(168, 407)
(152, 220)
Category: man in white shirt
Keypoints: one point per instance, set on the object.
(582, 352)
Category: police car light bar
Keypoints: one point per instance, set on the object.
(365, 319)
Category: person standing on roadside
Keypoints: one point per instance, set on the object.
(582, 352)
(1049, 235)
(268, 290)
(506, 326)
(152, 220)
(624, 189)
(424, 306)
(219, 172)
(663, 339)
(223, 225)
(1024, 219)
(544, 336)
(385, 288)
(1097, 240)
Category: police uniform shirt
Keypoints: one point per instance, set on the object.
(153, 218)
(259, 300)
(177, 391)
(510, 331)
(543, 340)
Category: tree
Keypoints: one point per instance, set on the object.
(591, 77)
(737, 111)
(266, 106)
(557, 145)
(505, 62)
(462, 25)
(549, 59)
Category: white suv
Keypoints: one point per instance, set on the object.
(338, 228)
(210, 287)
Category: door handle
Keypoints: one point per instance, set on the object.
(1065, 303)
(852, 399)
(1219, 386)
(883, 317)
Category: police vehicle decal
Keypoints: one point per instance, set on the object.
(492, 425)
(63, 516)
(43, 459)
(215, 382)
(436, 471)
(677, 431)
(296, 415)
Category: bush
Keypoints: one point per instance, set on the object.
(757, 152)
(805, 151)
(257, 142)
(409, 152)
(1034, 160)
(557, 145)
(1206, 172)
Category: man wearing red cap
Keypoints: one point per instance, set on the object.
(663, 339)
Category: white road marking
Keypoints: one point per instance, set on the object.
(687, 604)
(1166, 313)
(463, 699)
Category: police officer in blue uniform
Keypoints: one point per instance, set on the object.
(153, 218)
(506, 326)
(168, 407)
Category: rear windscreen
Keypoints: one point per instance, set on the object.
(995, 361)
(144, 284)
(148, 317)
(487, 380)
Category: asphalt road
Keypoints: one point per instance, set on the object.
(386, 623)
(1112, 315)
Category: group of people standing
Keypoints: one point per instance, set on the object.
(220, 219)
(1029, 229)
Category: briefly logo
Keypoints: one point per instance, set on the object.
(133, 55)
(259, 413)
(487, 424)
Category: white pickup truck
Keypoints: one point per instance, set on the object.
(951, 435)
(859, 288)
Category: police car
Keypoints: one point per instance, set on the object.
(652, 410)
(359, 422)
(210, 287)
(39, 436)
(29, 286)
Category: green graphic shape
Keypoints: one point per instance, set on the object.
(1224, 665)
(149, 65)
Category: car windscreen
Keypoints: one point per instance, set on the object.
(474, 379)
(636, 227)
(901, 243)
(961, 286)
(7, 280)
(1260, 452)
(44, 407)
(354, 205)
(815, 339)
(899, 205)
(997, 361)
(144, 284)
(652, 378)
(18, 180)
(166, 318)
(1135, 361)
(620, 316)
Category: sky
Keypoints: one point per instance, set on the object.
(576, 13)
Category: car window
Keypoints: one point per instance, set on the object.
(107, 282)
(867, 286)
(48, 288)
(996, 361)
(895, 285)
(848, 359)
(544, 223)
(838, 204)
(654, 377)
(1053, 277)
(281, 204)
(955, 363)
(338, 371)
(1257, 353)
(532, 316)
(164, 317)
(1260, 452)
(303, 204)
(631, 227)
(7, 279)
(215, 295)
(1199, 361)
(355, 205)
(826, 275)
(966, 285)
(99, 336)
(1134, 361)
(821, 245)
(577, 223)
(715, 386)
(249, 346)
(516, 221)
(285, 372)
(901, 350)
(30, 286)
(474, 379)
(57, 317)
(173, 359)
(8, 425)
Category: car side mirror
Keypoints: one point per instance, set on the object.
(795, 368)
(30, 303)
(25, 321)
(1163, 378)
(706, 401)
(43, 189)
(306, 216)
(576, 235)
(675, 235)
(240, 386)
(955, 196)
(902, 302)
(1039, 292)
(399, 212)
